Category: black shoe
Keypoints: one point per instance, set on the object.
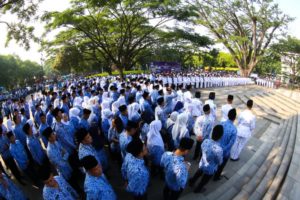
(234, 160)
(199, 190)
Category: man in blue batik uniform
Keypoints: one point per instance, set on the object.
(8, 190)
(134, 171)
(212, 157)
(96, 185)
(176, 169)
(227, 141)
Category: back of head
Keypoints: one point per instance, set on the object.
(212, 96)
(206, 108)
(232, 114)
(131, 125)
(47, 132)
(44, 172)
(26, 128)
(198, 94)
(230, 98)
(89, 162)
(80, 134)
(186, 144)
(217, 132)
(135, 147)
(160, 100)
(250, 103)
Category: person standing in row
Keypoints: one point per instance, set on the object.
(226, 108)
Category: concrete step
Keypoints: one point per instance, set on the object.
(280, 144)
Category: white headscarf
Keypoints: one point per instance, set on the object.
(180, 126)
(77, 101)
(85, 103)
(172, 119)
(115, 107)
(133, 110)
(56, 103)
(74, 112)
(153, 136)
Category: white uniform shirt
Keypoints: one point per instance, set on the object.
(246, 124)
(225, 109)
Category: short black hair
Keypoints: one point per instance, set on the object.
(131, 99)
(26, 128)
(119, 124)
(198, 94)
(131, 124)
(42, 114)
(206, 108)
(55, 112)
(44, 172)
(230, 97)
(80, 134)
(160, 100)
(86, 111)
(122, 108)
(186, 143)
(9, 134)
(145, 94)
(89, 162)
(188, 87)
(22, 110)
(217, 132)
(232, 114)
(250, 103)
(212, 95)
(47, 132)
(135, 147)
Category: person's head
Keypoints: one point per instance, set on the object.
(169, 90)
(188, 87)
(161, 92)
(161, 101)
(185, 145)
(86, 113)
(131, 99)
(83, 136)
(27, 129)
(91, 165)
(47, 177)
(206, 109)
(117, 124)
(232, 114)
(65, 117)
(146, 95)
(17, 119)
(22, 111)
(64, 98)
(57, 114)
(212, 96)
(137, 148)
(198, 94)
(131, 127)
(250, 104)
(11, 137)
(50, 108)
(43, 118)
(49, 135)
(230, 99)
(123, 110)
(217, 132)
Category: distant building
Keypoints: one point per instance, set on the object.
(288, 62)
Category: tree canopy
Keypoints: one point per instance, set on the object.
(245, 27)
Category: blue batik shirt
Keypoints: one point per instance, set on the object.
(228, 138)
(65, 108)
(59, 158)
(98, 188)
(176, 172)
(89, 150)
(64, 136)
(113, 134)
(124, 119)
(136, 174)
(84, 124)
(169, 103)
(105, 127)
(36, 149)
(4, 147)
(75, 122)
(64, 192)
(212, 156)
(19, 133)
(155, 153)
(41, 130)
(124, 140)
(37, 119)
(49, 119)
(18, 152)
(12, 192)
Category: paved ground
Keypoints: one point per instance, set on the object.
(156, 185)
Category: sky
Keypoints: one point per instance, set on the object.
(290, 7)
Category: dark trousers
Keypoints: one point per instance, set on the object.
(205, 179)
(220, 168)
(171, 194)
(31, 173)
(198, 150)
(140, 197)
(12, 166)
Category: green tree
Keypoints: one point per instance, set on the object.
(19, 29)
(245, 27)
(225, 60)
(117, 30)
(289, 49)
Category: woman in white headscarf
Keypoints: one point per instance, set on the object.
(180, 129)
(74, 117)
(106, 121)
(115, 107)
(170, 124)
(155, 142)
(133, 112)
(85, 103)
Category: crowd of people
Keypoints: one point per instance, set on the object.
(145, 123)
